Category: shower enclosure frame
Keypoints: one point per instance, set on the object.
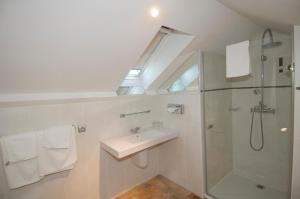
(203, 129)
(201, 83)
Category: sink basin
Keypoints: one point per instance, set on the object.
(123, 146)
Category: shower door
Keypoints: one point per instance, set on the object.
(234, 170)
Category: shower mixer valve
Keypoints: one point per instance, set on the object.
(262, 108)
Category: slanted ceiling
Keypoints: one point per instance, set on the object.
(86, 46)
(279, 15)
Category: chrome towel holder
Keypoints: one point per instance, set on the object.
(123, 115)
(79, 128)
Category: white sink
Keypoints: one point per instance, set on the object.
(123, 146)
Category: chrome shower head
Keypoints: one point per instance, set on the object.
(271, 43)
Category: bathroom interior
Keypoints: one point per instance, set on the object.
(185, 99)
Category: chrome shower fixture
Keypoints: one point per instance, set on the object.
(261, 107)
(256, 91)
(271, 43)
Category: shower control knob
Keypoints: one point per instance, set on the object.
(256, 91)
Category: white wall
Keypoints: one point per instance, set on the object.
(98, 174)
(86, 180)
(119, 176)
(296, 155)
(181, 160)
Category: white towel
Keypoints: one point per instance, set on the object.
(238, 60)
(19, 147)
(56, 158)
(22, 173)
(58, 137)
(19, 153)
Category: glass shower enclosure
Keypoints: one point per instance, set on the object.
(248, 152)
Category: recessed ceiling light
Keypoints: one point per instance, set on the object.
(154, 12)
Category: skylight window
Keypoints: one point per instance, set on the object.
(152, 65)
(133, 90)
(133, 74)
(186, 79)
(136, 90)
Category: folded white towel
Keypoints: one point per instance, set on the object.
(238, 60)
(22, 173)
(19, 147)
(58, 137)
(51, 159)
(28, 157)
(19, 154)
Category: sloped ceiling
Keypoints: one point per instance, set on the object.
(89, 45)
(280, 15)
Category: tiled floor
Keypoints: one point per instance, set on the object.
(158, 188)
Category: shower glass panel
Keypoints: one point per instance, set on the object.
(234, 170)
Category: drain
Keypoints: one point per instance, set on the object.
(259, 186)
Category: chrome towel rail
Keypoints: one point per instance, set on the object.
(134, 113)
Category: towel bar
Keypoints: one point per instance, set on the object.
(134, 113)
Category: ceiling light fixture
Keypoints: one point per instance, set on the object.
(154, 12)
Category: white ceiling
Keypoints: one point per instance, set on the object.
(89, 45)
(280, 15)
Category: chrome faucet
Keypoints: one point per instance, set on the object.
(135, 130)
(262, 108)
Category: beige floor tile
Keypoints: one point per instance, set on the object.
(158, 188)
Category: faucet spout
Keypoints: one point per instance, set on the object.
(135, 130)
